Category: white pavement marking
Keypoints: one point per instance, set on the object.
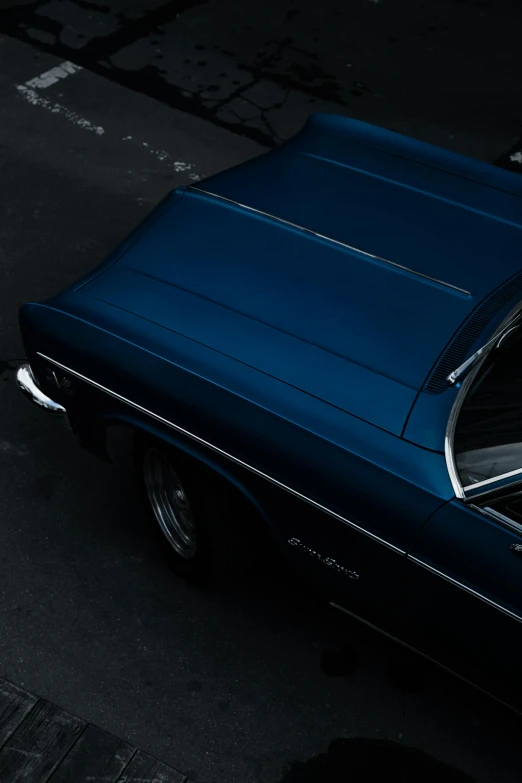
(28, 91)
(516, 157)
(177, 165)
(31, 96)
(46, 79)
(55, 74)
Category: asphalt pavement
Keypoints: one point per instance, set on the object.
(446, 71)
(262, 685)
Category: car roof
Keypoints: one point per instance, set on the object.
(362, 245)
(441, 215)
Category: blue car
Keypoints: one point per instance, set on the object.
(321, 349)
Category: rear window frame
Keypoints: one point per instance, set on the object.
(496, 485)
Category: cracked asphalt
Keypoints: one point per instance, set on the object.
(257, 686)
(446, 71)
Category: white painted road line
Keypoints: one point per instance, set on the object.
(177, 165)
(28, 91)
(32, 97)
(46, 79)
(51, 77)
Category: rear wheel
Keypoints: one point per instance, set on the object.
(205, 532)
(169, 503)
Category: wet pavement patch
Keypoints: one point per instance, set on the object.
(362, 760)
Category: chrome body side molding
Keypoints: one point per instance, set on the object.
(419, 652)
(221, 452)
(465, 588)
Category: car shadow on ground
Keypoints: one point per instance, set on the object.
(347, 691)
(362, 760)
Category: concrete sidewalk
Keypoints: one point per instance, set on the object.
(41, 743)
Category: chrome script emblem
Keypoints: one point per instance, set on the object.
(60, 381)
(329, 561)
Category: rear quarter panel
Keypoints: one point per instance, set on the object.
(343, 487)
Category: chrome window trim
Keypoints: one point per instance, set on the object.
(449, 452)
(223, 453)
(331, 239)
(494, 492)
(459, 490)
(497, 516)
(464, 587)
(493, 480)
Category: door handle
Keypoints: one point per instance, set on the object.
(516, 549)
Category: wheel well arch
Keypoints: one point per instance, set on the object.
(113, 425)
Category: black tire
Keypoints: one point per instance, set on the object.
(223, 542)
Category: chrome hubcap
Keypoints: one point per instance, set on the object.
(169, 503)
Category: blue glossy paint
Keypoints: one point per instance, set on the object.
(302, 364)
(426, 424)
(293, 362)
(310, 446)
(364, 334)
(455, 533)
(433, 211)
(464, 613)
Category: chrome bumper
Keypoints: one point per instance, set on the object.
(27, 384)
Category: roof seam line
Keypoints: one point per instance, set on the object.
(333, 241)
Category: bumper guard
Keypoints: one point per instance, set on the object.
(27, 384)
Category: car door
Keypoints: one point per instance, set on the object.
(464, 606)
(465, 566)
(356, 571)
